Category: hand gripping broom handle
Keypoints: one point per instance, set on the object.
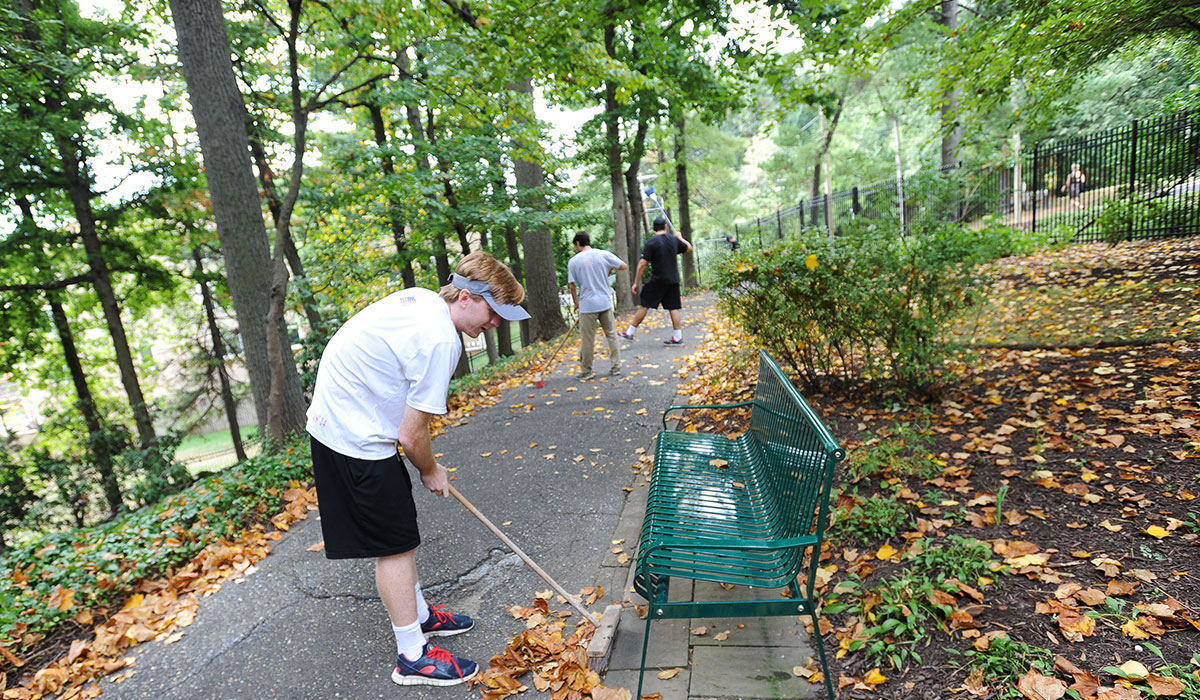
(524, 557)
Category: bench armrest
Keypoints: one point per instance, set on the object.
(729, 543)
(682, 407)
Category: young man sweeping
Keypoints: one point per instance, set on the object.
(381, 377)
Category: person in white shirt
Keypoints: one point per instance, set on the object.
(381, 377)
(587, 277)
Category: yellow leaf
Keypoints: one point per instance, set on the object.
(668, 674)
(873, 677)
(887, 551)
(1134, 670)
(1156, 531)
(811, 263)
(1133, 630)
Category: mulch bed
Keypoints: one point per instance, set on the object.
(1095, 446)
(1099, 448)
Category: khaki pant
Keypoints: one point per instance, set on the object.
(587, 330)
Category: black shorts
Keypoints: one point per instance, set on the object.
(366, 505)
(656, 292)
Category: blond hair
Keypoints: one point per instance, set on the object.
(482, 267)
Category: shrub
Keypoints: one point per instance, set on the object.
(868, 306)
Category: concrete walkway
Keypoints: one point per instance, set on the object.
(558, 469)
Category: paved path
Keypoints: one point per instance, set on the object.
(549, 466)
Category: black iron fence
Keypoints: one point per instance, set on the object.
(1137, 181)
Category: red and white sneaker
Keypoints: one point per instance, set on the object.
(435, 667)
(444, 624)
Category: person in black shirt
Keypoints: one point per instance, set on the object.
(660, 253)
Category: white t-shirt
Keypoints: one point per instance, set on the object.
(588, 271)
(399, 351)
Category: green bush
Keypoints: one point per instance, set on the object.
(867, 307)
(103, 563)
(1123, 214)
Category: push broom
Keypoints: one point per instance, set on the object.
(539, 379)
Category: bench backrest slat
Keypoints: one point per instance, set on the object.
(798, 452)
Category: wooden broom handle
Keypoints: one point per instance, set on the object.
(524, 557)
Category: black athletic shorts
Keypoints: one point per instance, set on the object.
(665, 293)
(366, 505)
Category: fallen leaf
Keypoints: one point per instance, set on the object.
(668, 674)
(1133, 670)
(1035, 686)
(874, 677)
(1162, 685)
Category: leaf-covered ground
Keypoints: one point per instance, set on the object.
(1034, 532)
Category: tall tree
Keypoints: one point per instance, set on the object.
(48, 141)
(220, 115)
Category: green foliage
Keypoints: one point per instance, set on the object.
(868, 306)
(1185, 674)
(901, 449)
(869, 519)
(152, 473)
(103, 563)
(15, 496)
(1123, 214)
(1005, 661)
(901, 611)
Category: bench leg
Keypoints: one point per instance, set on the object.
(645, 646)
(812, 612)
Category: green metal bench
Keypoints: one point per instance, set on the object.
(740, 511)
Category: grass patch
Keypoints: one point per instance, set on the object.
(197, 445)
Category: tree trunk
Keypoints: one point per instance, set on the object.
(952, 132)
(285, 402)
(625, 300)
(685, 216)
(389, 168)
(218, 356)
(541, 278)
(220, 116)
(266, 177)
(518, 270)
(80, 193)
(633, 188)
(87, 407)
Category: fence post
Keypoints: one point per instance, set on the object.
(855, 206)
(1037, 181)
(1132, 175)
(779, 223)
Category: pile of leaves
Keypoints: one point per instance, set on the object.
(1032, 532)
(558, 665)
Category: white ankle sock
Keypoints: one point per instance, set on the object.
(422, 606)
(409, 640)
(630, 331)
(677, 335)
